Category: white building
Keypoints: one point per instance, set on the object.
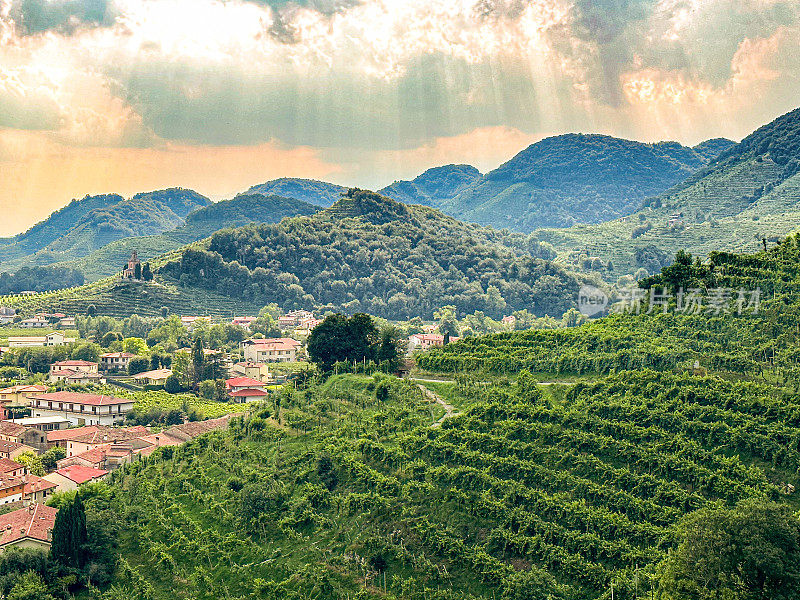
(81, 409)
(115, 361)
(75, 372)
(270, 350)
(56, 338)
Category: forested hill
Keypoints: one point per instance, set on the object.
(319, 193)
(75, 231)
(435, 186)
(750, 192)
(201, 223)
(369, 253)
(576, 178)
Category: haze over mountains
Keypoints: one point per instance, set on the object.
(634, 204)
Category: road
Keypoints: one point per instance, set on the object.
(449, 409)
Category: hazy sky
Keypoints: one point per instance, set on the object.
(124, 96)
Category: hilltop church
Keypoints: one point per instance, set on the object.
(133, 270)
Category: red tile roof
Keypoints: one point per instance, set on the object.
(60, 435)
(237, 382)
(7, 465)
(86, 399)
(7, 447)
(117, 355)
(275, 343)
(246, 393)
(37, 484)
(12, 429)
(16, 389)
(36, 522)
(81, 474)
(74, 363)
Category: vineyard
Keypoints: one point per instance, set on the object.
(206, 409)
(748, 344)
(355, 495)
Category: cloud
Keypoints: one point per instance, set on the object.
(25, 102)
(61, 16)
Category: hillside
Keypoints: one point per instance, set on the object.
(434, 187)
(576, 178)
(314, 192)
(143, 214)
(198, 224)
(369, 253)
(362, 487)
(750, 192)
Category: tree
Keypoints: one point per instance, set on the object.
(164, 312)
(749, 552)
(137, 271)
(69, 534)
(51, 457)
(208, 389)
(391, 348)
(32, 461)
(138, 364)
(147, 274)
(180, 367)
(172, 385)
(134, 345)
(91, 310)
(447, 320)
(339, 339)
(30, 586)
(88, 351)
(110, 337)
(198, 360)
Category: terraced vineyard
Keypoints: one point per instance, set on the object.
(520, 491)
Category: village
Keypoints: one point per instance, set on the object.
(67, 423)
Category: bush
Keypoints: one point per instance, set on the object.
(138, 364)
(172, 385)
(208, 389)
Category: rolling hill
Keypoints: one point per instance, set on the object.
(372, 254)
(198, 224)
(750, 193)
(319, 193)
(576, 178)
(434, 187)
(86, 225)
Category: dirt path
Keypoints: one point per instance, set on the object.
(449, 409)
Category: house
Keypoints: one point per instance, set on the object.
(673, 219)
(107, 457)
(19, 396)
(75, 372)
(12, 489)
(244, 389)
(55, 338)
(7, 315)
(69, 478)
(307, 325)
(245, 322)
(90, 438)
(253, 370)
(61, 437)
(10, 468)
(115, 361)
(27, 436)
(67, 323)
(37, 489)
(189, 431)
(287, 322)
(34, 323)
(130, 271)
(270, 350)
(29, 527)
(424, 341)
(156, 377)
(45, 424)
(12, 450)
(191, 322)
(509, 321)
(158, 440)
(81, 409)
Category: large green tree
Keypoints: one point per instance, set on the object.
(341, 339)
(749, 552)
(69, 534)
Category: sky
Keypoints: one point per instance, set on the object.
(125, 96)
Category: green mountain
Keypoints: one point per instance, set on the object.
(198, 224)
(314, 192)
(750, 193)
(614, 473)
(575, 178)
(369, 253)
(111, 218)
(434, 187)
(52, 228)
